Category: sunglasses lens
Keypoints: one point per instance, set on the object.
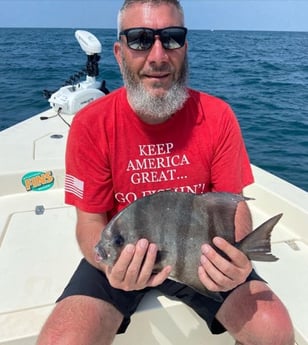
(140, 39)
(173, 38)
(144, 38)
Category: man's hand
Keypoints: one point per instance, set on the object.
(133, 269)
(217, 273)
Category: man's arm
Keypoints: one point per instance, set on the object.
(88, 231)
(243, 221)
(133, 269)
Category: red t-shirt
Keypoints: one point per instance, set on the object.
(113, 157)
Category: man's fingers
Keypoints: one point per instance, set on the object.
(160, 277)
(134, 268)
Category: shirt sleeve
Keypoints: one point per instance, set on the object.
(88, 182)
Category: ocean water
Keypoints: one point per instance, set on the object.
(263, 75)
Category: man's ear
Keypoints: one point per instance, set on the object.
(118, 53)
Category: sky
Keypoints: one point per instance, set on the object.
(277, 15)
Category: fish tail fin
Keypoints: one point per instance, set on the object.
(257, 245)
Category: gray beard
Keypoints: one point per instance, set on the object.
(155, 108)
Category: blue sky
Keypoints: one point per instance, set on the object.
(282, 15)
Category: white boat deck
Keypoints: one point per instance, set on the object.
(38, 250)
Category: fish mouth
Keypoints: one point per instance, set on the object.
(101, 254)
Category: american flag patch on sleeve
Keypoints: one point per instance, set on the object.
(74, 185)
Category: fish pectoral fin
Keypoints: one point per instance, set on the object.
(161, 256)
(160, 261)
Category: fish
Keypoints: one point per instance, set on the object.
(179, 223)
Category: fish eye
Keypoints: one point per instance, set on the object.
(118, 240)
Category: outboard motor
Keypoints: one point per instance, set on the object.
(74, 96)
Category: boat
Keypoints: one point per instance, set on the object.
(39, 252)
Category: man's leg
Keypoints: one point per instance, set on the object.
(81, 320)
(254, 315)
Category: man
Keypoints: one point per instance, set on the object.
(152, 135)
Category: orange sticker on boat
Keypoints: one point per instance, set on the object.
(38, 181)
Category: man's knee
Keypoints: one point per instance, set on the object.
(81, 320)
(253, 314)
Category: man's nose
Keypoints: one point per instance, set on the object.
(157, 51)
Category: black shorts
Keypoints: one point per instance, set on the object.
(89, 281)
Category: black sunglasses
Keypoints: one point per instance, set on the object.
(172, 37)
